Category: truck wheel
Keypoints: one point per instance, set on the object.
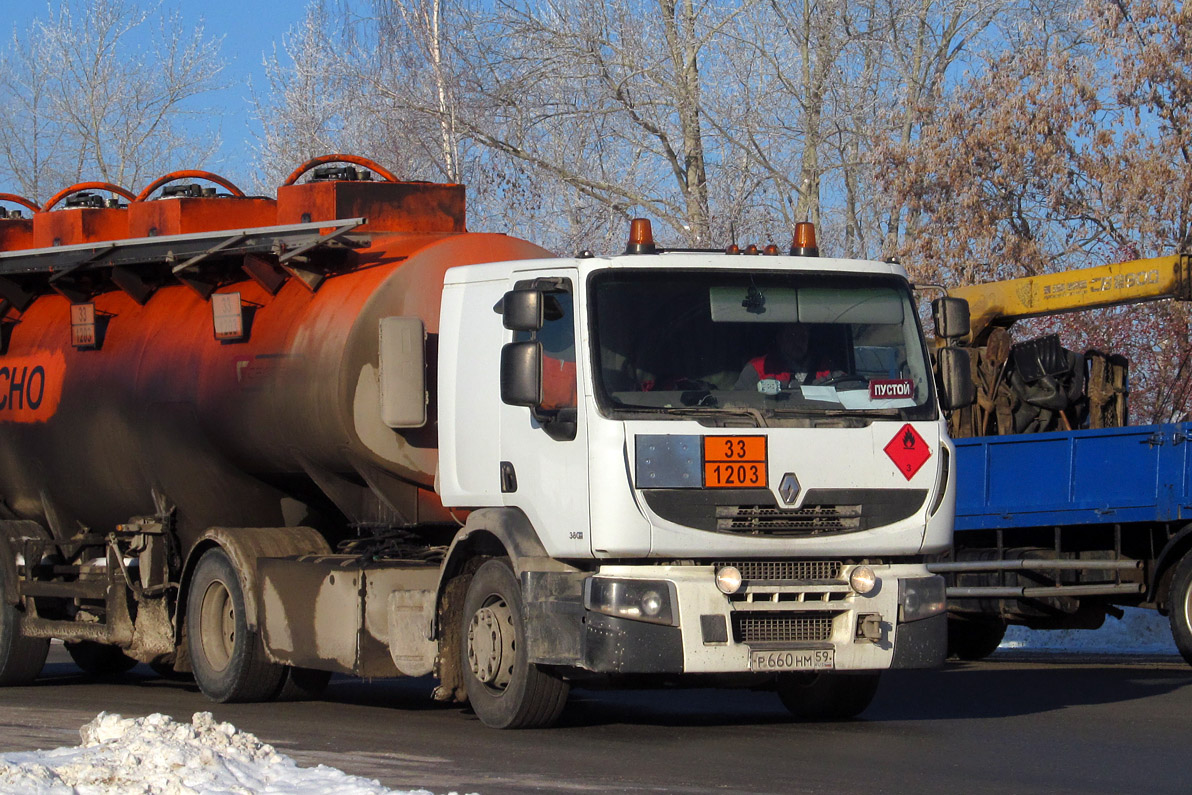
(827, 696)
(974, 639)
(21, 658)
(1179, 601)
(505, 690)
(99, 659)
(228, 659)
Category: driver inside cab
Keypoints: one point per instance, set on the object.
(790, 363)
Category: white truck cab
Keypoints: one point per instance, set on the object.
(693, 497)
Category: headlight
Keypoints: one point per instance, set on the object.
(640, 600)
(921, 597)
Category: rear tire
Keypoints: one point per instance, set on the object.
(99, 659)
(1179, 601)
(828, 696)
(505, 689)
(229, 660)
(21, 658)
(974, 639)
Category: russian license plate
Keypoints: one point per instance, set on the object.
(796, 660)
(735, 462)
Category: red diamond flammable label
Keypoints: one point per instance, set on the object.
(908, 451)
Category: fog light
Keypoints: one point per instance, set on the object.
(862, 580)
(728, 579)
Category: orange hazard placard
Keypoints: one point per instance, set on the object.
(734, 448)
(735, 462)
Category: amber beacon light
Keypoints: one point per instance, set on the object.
(641, 237)
(804, 243)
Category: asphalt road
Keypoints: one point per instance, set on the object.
(1013, 724)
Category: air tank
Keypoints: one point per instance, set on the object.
(281, 427)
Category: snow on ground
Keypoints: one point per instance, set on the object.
(157, 756)
(1138, 632)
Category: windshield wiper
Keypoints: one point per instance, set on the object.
(758, 418)
(837, 412)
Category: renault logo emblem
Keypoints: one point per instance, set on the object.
(788, 489)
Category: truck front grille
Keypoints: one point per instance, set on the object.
(809, 520)
(756, 511)
(784, 570)
(786, 628)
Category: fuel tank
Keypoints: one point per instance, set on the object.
(282, 427)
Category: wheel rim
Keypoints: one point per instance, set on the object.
(217, 625)
(491, 644)
(1188, 608)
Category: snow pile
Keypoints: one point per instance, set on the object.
(157, 756)
(1138, 632)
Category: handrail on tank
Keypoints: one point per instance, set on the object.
(21, 200)
(355, 160)
(82, 186)
(188, 174)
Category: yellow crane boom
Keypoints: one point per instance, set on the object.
(1001, 303)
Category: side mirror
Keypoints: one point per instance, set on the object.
(521, 373)
(523, 310)
(951, 316)
(956, 378)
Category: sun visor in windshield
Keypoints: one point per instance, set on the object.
(752, 304)
(861, 305)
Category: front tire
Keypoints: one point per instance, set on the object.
(99, 659)
(21, 658)
(228, 658)
(1179, 601)
(974, 639)
(828, 696)
(505, 689)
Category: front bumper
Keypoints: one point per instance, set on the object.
(714, 633)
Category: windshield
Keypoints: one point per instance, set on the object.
(778, 344)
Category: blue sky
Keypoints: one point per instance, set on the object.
(249, 28)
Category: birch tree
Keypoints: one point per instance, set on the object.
(103, 89)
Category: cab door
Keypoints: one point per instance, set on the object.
(544, 460)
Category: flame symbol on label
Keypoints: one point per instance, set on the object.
(908, 439)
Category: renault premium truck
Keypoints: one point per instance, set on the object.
(262, 441)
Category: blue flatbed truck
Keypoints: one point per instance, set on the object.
(1057, 530)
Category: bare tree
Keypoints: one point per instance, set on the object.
(84, 94)
(605, 98)
(307, 109)
(1065, 153)
(717, 119)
